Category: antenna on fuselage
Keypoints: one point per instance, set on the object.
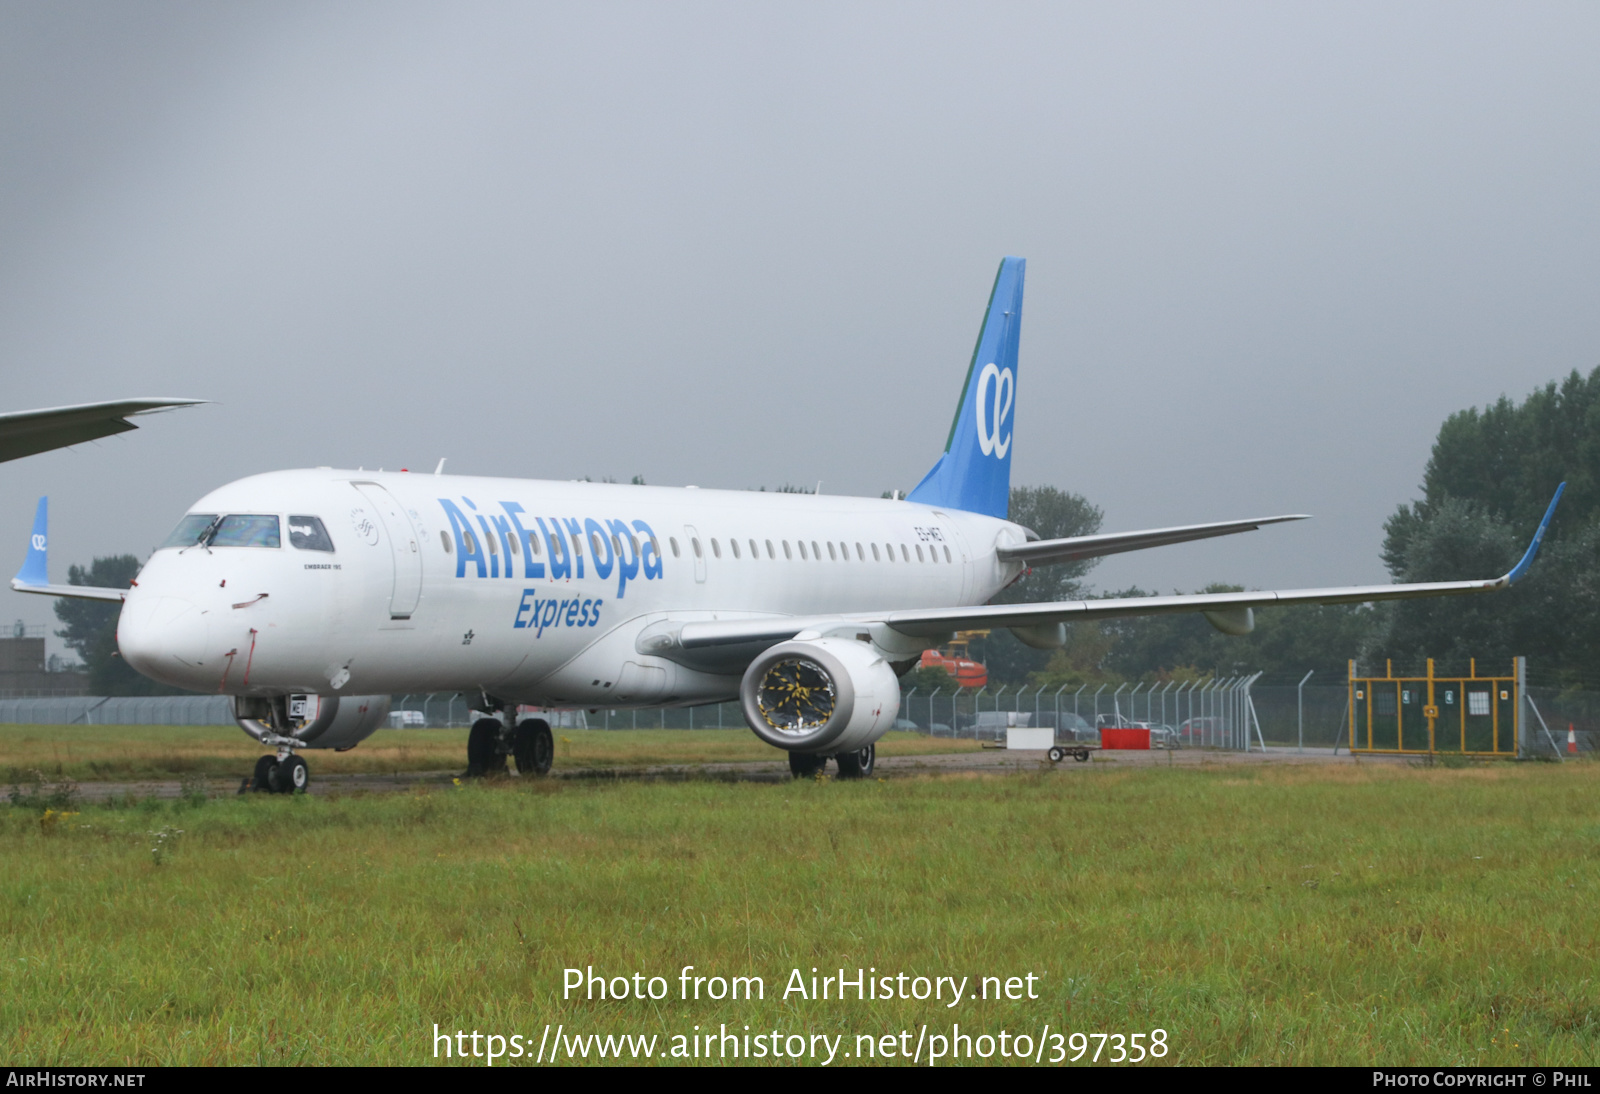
(440, 469)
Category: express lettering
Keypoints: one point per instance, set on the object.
(628, 552)
(536, 614)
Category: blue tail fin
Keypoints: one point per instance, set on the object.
(974, 474)
(35, 568)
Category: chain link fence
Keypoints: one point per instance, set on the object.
(1556, 722)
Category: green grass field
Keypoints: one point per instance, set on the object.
(1311, 915)
(121, 753)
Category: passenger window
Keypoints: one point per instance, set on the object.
(786, 553)
(815, 551)
(875, 557)
(308, 534)
(595, 544)
(905, 555)
(577, 546)
(511, 544)
(655, 545)
(246, 530)
(802, 545)
(754, 552)
(770, 552)
(716, 548)
(493, 550)
(674, 541)
(471, 541)
(633, 541)
(533, 543)
(861, 556)
(919, 552)
(947, 557)
(444, 538)
(832, 554)
(694, 541)
(735, 545)
(844, 550)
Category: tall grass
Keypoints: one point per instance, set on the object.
(1266, 915)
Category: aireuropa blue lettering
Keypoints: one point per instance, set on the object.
(630, 552)
(574, 612)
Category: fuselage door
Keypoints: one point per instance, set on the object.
(697, 549)
(404, 544)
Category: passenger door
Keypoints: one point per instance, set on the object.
(405, 545)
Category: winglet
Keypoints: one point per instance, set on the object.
(35, 568)
(1521, 568)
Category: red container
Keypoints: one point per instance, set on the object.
(1137, 740)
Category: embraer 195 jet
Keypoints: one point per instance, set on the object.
(310, 596)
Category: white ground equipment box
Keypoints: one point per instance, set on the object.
(1037, 738)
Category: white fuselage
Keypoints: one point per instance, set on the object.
(527, 590)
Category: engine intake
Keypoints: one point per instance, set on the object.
(820, 695)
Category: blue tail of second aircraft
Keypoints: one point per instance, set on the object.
(974, 474)
(35, 567)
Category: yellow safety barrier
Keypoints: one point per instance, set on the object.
(1420, 715)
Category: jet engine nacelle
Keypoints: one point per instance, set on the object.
(821, 695)
(316, 721)
(1235, 621)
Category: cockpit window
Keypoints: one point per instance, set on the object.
(189, 530)
(246, 530)
(308, 534)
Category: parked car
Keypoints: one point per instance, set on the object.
(1071, 727)
(907, 723)
(407, 719)
(1198, 731)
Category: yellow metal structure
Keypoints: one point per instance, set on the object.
(1420, 715)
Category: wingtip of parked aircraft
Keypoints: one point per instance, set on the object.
(1520, 570)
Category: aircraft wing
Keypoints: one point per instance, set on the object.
(27, 432)
(1045, 552)
(712, 642)
(34, 577)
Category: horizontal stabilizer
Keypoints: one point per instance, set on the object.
(1045, 552)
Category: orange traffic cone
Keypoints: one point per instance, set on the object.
(1572, 739)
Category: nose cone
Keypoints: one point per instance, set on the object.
(166, 638)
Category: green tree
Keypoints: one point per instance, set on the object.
(89, 627)
(1486, 485)
(1285, 643)
(1053, 514)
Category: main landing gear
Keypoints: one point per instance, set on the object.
(528, 742)
(284, 773)
(856, 764)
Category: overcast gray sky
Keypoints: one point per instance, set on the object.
(1270, 247)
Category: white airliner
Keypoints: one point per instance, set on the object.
(311, 596)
